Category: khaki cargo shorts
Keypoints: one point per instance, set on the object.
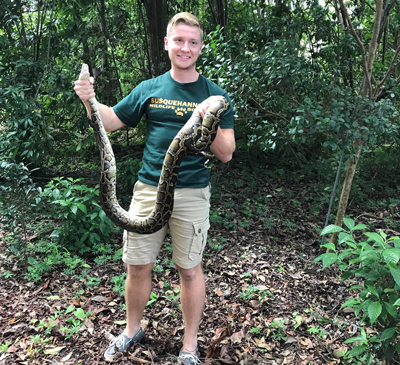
(188, 226)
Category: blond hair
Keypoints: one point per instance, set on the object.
(187, 19)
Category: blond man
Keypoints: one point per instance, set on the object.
(168, 101)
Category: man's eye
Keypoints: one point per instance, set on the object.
(194, 43)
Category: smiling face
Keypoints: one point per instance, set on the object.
(184, 45)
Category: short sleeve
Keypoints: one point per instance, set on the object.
(131, 109)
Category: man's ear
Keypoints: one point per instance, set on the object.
(166, 43)
(202, 45)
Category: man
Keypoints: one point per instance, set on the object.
(168, 101)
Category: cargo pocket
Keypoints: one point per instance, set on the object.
(199, 239)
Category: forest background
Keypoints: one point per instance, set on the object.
(315, 86)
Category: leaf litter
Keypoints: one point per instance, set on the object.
(267, 302)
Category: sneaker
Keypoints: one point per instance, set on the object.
(121, 344)
(187, 358)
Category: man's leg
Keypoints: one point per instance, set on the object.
(137, 294)
(192, 300)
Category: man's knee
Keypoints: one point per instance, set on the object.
(139, 271)
(190, 275)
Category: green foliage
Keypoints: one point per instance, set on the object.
(119, 284)
(18, 204)
(84, 224)
(39, 265)
(128, 170)
(373, 265)
(278, 326)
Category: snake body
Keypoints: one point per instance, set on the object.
(193, 139)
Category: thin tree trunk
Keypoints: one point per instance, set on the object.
(366, 92)
(156, 12)
(344, 197)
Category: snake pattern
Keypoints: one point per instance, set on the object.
(193, 139)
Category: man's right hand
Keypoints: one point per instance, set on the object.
(84, 89)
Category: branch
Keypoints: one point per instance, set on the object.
(373, 44)
(392, 64)
(385, 18)
(357, 38)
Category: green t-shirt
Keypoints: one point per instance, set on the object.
(168, 105)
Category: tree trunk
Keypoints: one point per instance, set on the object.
(156, 12)
(366, 92)
(344, 197)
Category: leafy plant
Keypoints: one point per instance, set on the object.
(375, 262)
(119, 283)
(4, 347)
(279, 326)
(22, 207)
(84, 223)
(153, 299)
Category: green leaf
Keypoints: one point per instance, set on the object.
(74, 209)
(395, 273)
(357, 286)
(350, 303)
(82, 207)
(391, 309)
(329, 246)
(120, 323)
(360, 226)
(356, 351)
(397, 302)
(70, 309)
(345, 237)
(328, 259)
(374, 237)
(374, 311)
(79, 313)
(388, 333)
(391, 256)
(349, 223)
(331, 229)
(359, 338)
(373, 291)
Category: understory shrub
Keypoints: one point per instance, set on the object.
(373, 265)
(82, 222)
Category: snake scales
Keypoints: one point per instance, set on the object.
(194, 137)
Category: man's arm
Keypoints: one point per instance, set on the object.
(224, 144)
(84, 89)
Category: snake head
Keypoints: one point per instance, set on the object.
(84, 75)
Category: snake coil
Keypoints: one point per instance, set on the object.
(193, 138)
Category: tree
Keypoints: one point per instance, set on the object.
(157, 20)
(368, 90)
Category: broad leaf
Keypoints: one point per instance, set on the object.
(329, 246)
(82, 207)
(391, 309)
(373, 291)
(356, 351)
(375, 237)
(395, 271)
(391, 256)
(374, 311)
(331, 229)
(360, 226)
(349, 223)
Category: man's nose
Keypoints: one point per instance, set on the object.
(185, 46)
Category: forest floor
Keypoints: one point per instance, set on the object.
(267, 301)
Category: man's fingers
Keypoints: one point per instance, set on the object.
(203, 108)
